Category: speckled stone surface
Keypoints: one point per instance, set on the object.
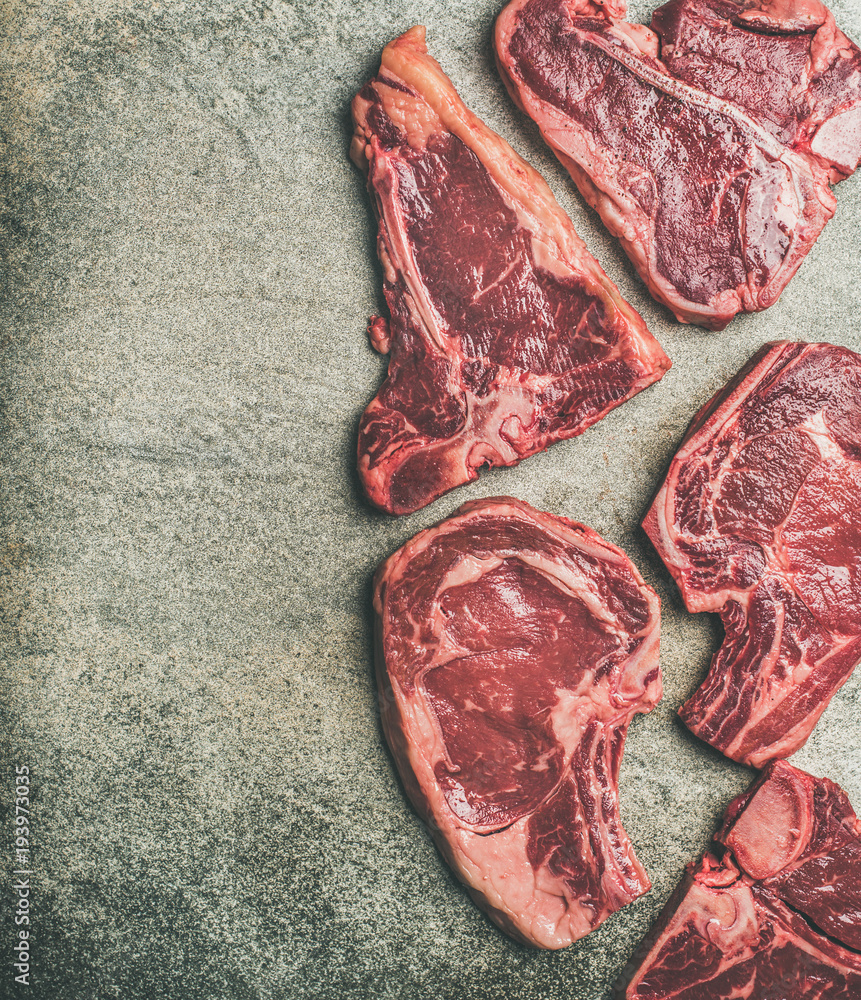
(186, 561)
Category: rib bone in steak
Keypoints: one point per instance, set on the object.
(505, 334)
(777, 916)
(759, 519)
(514, 648)
(707, 144)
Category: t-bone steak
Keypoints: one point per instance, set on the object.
(505, 334)
(759, 519)
(776, 915)
(707, 143)
(513, 650)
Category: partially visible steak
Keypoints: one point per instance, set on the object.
(706, 144)
(777, 916)
(799, 837)
(513, 650)
(784, 62)
(759, 519)
(505, 334)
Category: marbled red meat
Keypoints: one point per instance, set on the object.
(505, 334)
(759, 519)
(514, 648)
(799, 837)
(774, 915)
(707, 143)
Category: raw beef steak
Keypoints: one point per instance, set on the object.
(505, 334)
(759, 519)
(706, 144)
(799, 837)
(514, 648)
(771, 919)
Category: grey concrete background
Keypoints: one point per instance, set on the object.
(189, 267)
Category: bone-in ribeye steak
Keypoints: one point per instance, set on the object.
(777, 914)
(706, 144)
(505, 334)
(513, 650)
(759, 519)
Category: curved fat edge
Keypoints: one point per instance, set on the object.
(568, 533)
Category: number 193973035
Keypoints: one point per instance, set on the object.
(21, 873)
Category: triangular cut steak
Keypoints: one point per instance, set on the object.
(513, 650)
(505, 334)
(759, 519)
(707, 143)
(776, 914)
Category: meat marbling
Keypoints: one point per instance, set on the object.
(505, 334)
(799, 837)
(776, 914)
(513, 650)
(759, 519)
(707, 143)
